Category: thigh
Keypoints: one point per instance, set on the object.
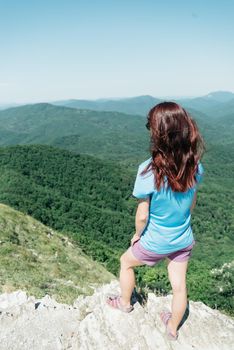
(130, 260)
(177, 273)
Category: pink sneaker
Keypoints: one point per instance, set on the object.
(114, 301)
(165, 316)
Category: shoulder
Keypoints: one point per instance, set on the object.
(144, 184)
(144, 164)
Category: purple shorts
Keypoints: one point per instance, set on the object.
(151, 258)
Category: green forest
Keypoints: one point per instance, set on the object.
(74, 170)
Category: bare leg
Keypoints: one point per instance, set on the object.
(127, 276)
(177, 276)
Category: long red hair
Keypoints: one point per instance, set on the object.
(176, 146)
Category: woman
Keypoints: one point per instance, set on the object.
(166, 186)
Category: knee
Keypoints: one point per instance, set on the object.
(124, 261)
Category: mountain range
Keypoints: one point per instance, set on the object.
(106, 134)
(142, 104)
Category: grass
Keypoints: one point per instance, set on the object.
(40, 260)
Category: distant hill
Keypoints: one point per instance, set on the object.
(40, 260)
(222, 110)
(139, 105)
(108, 135)
(220, 96)
(8, 105)
(210, 105)
(82, 131)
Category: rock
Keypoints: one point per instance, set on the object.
(27, 323)
(8, 300)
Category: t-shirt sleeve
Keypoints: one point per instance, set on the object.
(200, 173)
(144, 184)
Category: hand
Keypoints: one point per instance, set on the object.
(134, 239)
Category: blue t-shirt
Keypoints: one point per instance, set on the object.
(169, 225)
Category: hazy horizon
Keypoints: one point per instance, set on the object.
(107, 98)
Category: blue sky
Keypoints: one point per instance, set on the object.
(53, 50)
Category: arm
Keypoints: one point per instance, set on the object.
(141, 218)
(194, 202)
(142, 215)
(143, 189)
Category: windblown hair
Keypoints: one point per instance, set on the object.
(176, 146)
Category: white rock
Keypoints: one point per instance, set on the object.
(10, 299)
(91, 324)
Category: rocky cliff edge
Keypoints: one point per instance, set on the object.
(27, 323)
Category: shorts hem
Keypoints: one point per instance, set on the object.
(180, 260)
